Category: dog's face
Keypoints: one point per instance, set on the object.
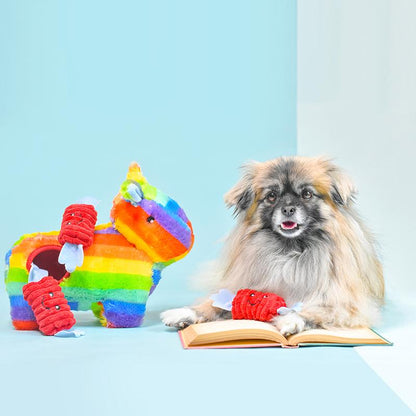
(290, 206)
(293, 196)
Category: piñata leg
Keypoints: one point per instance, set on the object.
(118, 314)
(98, 311)
(22, 315)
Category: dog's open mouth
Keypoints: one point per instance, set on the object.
(289, 225)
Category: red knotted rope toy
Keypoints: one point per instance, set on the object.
(260, 306)
(78, 225)
(45, 297)
(49, 305)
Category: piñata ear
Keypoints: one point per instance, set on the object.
(135, 173)
(241, 195)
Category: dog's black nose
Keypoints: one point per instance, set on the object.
(288, 211)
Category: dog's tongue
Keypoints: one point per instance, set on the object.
(288, 225)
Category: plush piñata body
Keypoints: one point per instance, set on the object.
(121, 267)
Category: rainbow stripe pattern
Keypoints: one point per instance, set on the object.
(121, 268)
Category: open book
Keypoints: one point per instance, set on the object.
(248, 334)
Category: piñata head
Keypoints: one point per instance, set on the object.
(150, 219)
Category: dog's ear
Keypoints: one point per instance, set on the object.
(342, 189)
(241, 196)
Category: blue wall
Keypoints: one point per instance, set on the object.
(189, 89)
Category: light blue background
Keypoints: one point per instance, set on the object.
(189, 89)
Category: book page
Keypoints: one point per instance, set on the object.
(231, 330)
(342, 336)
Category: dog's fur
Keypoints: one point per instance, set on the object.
(328, 262)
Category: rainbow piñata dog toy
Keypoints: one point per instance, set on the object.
(122, 262)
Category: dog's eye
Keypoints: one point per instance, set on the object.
(251, 294)
(271, 196)
(306, 194)
(150, 219)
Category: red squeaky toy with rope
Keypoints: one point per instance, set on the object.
(252, 304)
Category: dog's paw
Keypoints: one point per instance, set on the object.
(179, 318)
(289, 324)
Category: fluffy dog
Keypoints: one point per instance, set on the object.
(297, 235)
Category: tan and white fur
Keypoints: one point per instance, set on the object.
(323, 257)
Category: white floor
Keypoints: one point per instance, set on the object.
(397, 365)
(146, 370)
